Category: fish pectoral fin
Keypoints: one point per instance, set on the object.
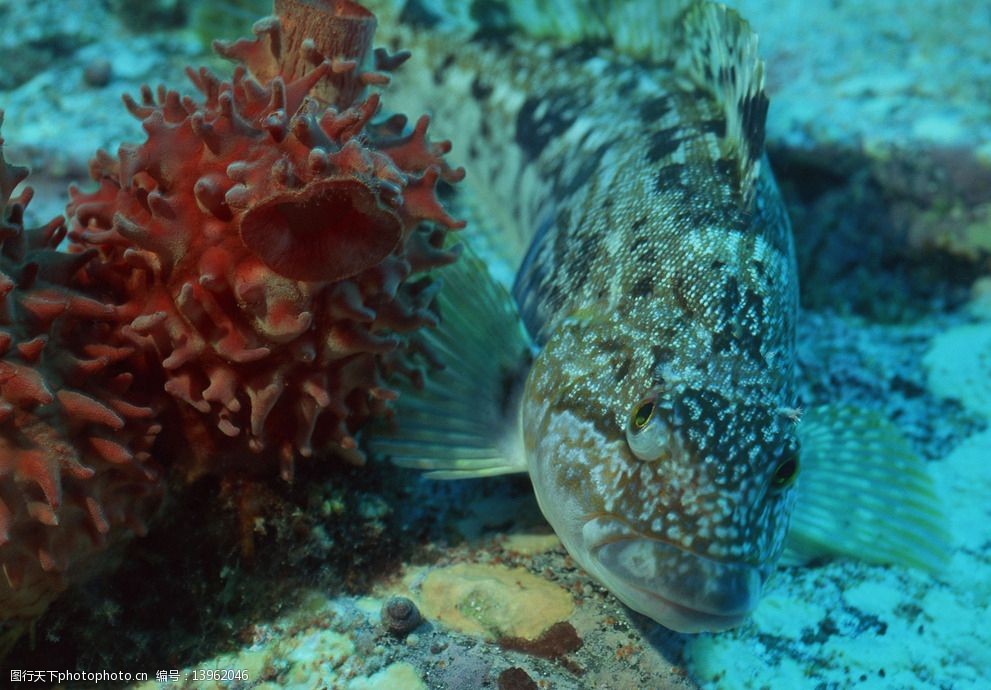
(464, 420)
(863, 493)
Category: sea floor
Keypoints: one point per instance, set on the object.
(893, 236)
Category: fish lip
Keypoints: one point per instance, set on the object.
(693, 620)
(691, 593)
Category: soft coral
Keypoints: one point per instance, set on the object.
(76, 473)
(271, 235)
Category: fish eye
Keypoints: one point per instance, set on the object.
(647, 435)
(642, 415)
(785, 473)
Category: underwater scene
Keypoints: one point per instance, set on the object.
(457, 344)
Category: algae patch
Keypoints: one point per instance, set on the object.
(493, 601)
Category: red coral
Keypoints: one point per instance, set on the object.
(75, 468)
(268, 234)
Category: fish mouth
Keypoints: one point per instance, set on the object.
(679, 589)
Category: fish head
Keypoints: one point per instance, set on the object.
(668, 474)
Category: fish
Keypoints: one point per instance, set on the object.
(629, 338)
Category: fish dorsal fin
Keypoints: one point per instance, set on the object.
(712, 48)
(863, 493)
(464, 420)
(721, 57)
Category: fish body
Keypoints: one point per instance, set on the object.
(665, 286)
(643, 371)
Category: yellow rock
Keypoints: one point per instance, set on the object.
(531, 544)
(398, 675)
(493, 601)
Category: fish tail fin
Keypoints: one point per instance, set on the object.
(864, 493)
(640, 28)
(464, 420)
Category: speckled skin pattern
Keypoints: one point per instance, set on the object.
(654, 276)
(690, 305)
